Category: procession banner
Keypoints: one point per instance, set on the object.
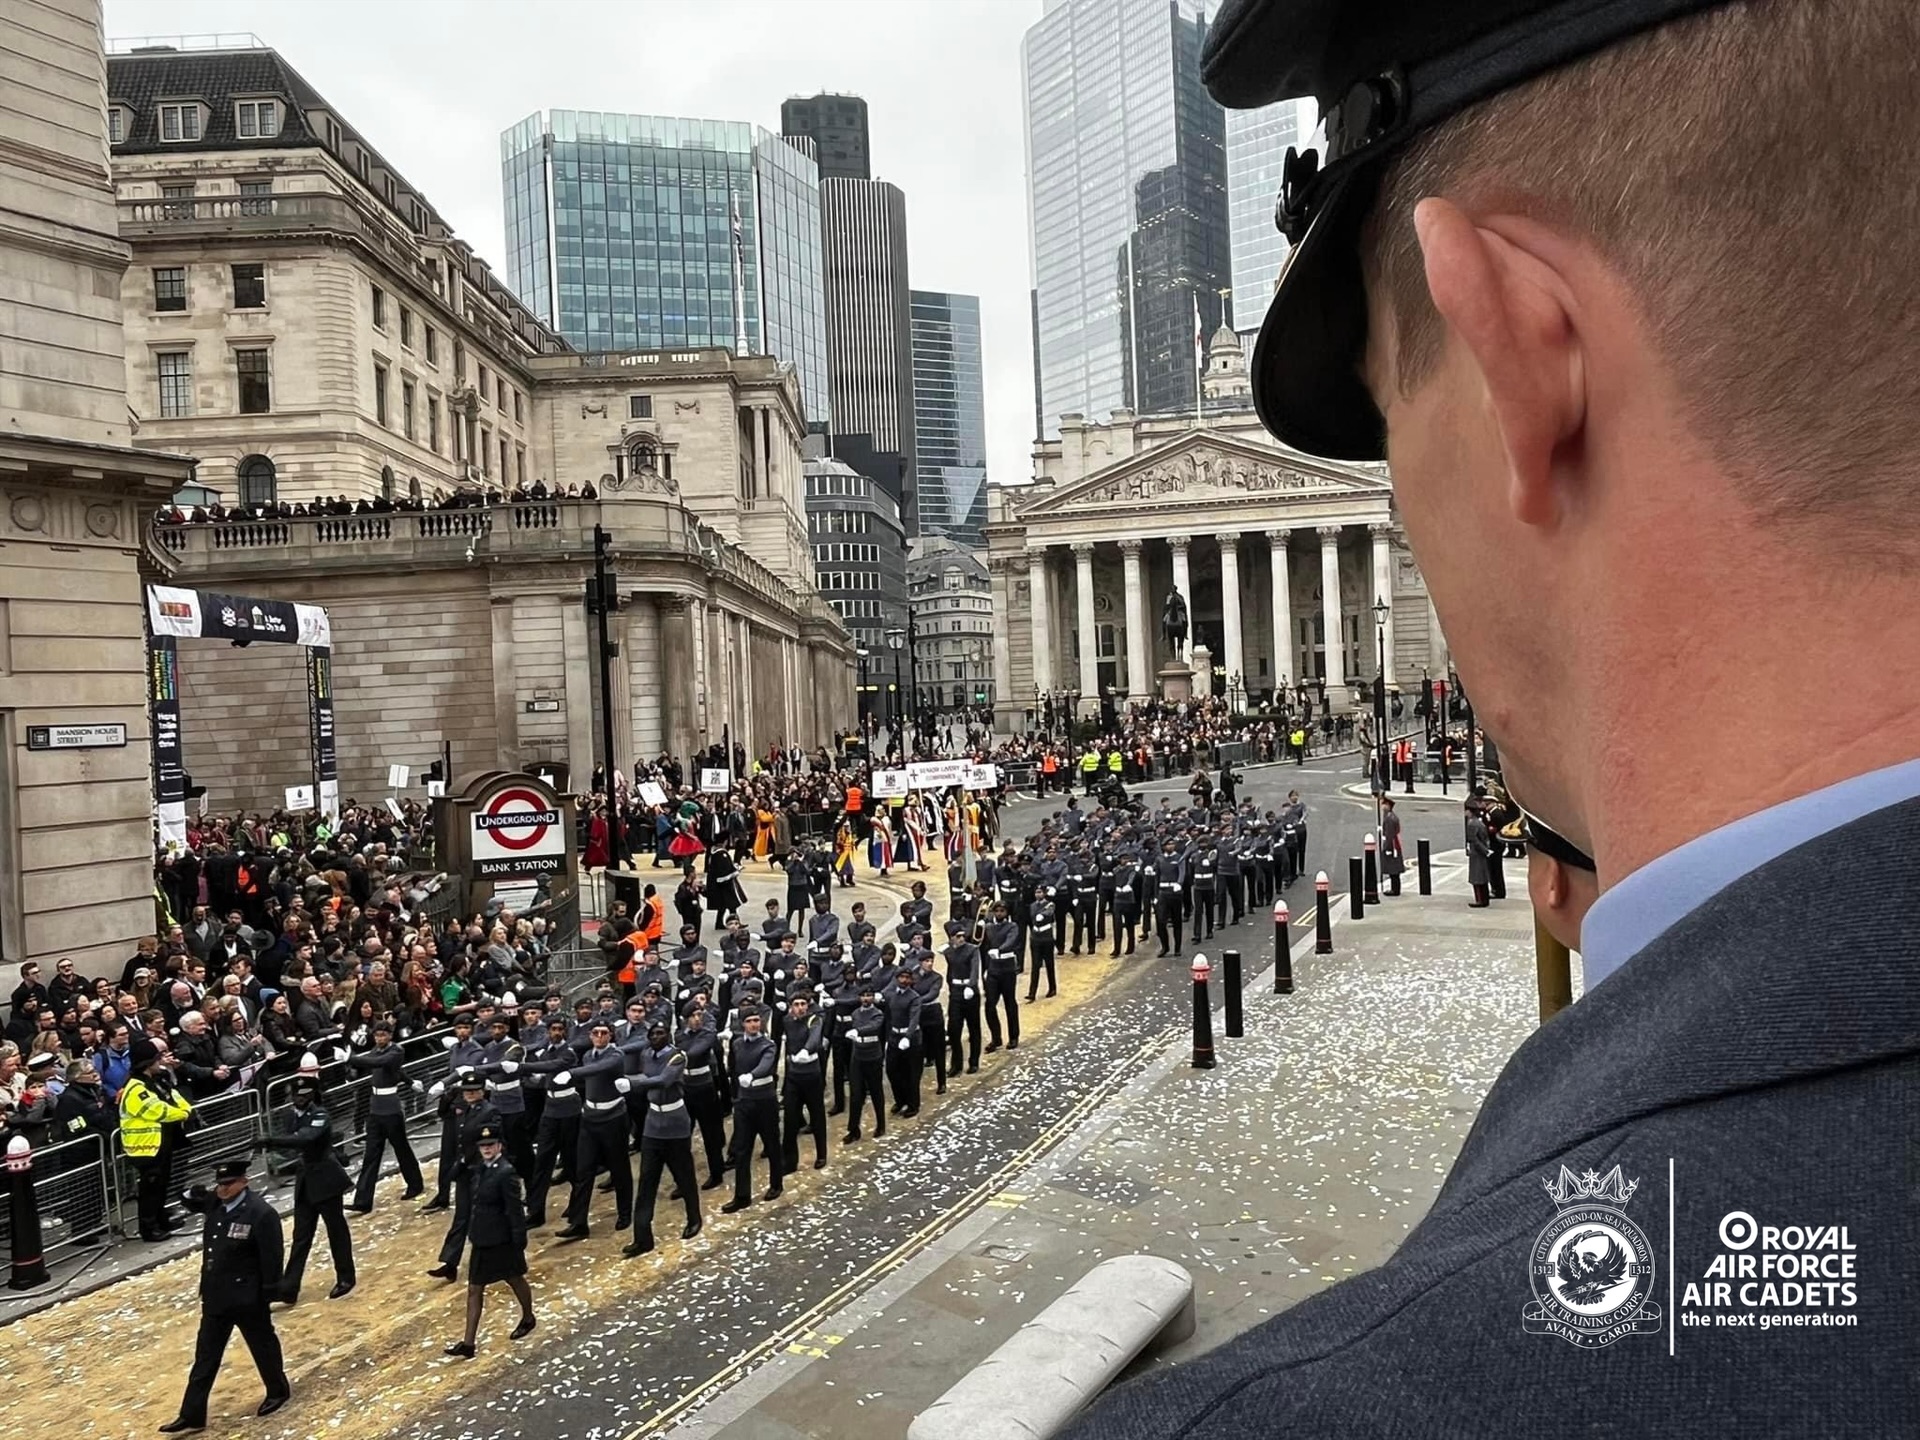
(889, 784)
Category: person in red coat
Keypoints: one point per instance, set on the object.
(599, 842)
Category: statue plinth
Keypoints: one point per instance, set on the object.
(1203, 672)
(1176, 682)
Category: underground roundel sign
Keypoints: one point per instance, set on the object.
(517, 831)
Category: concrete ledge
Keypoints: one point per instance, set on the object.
(1060, 1360)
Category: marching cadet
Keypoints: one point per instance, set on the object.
(470, 1111)
(463, 1052)
(499, 1229)
(533, 1026)
(1040, 945)
(1230, 896)
(1264, 890)
(774, 926)
(686, 952)
(580, 1029)
(823, 930)
(1083, 898)
(1002, 978)
(933, 1035)
(603, 1135)
(557, 1138)
(963, 981)
(840, 996)
(905, 1041)
(756, 1115)
(860, 930)
(868, 1029)
(509, 1101)
(666, 1142)
(804, 1092)
(956, 890)
(386, 1118)
(317, 1187)
(1295, 817)
(696, 982)
(241, 1266)
(917, 913)
(1170, 879)
(1204, 865)
(700, 1085)
(1127, 884)
(743, 972)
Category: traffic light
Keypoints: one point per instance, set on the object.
(437, 773)
(191, 791)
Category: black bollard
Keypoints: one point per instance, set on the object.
(1323, 921)
(1426, 868)
(1202, 1015)
(1372, 872)
(1356, 890)
(29, 1261)
(1282, 949)
(1234, 1027)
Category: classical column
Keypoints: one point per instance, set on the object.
(1039, 613)
(1236, 659)
(1182, 578)
(1335, 645)
(1003, 696)
(1282, 609)
(676, 664)
(1139, 646)
(1089, 658)
(1383, 590)
(640, 642)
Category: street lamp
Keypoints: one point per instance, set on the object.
(896, 642)
(866, 697)
(1380, 612)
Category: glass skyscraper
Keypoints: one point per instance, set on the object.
(641, 232)
(1257, 142)
(950, 416)
(1127, 202)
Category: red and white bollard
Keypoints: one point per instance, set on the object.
(29, 1260)
(1323, 920)
(1202, 1015)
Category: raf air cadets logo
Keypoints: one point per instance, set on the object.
(1591, 1267)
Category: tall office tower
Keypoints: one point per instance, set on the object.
(949, 416)
(863, 226)
(837, 125)
(1257, 142)
(1127, 203)
(643, 232)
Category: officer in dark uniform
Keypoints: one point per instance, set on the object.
(906, 1040)
(317, 1187)
(603, 1135)
(463, 1051)
(1127, 886)
(471, 1110)
(700, 1085)
(666, 1141)
(499, 1230)
(1170, 884)
(1002, 978)
(1203, 881)
(805, 1090)
(557, 1138)
(1040, 945)
(917, 913)
(928, 984)
(867, 1039)
(241, 1260)
(386, 1118)
(756, 1114)
(963, 998)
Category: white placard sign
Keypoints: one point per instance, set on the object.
(436, 788)
(936, 774)
(397, 777)
(982, 777)
(715, 782)
(517, 833)
(300, 797)
(653, 793)
(393, 808)
(889, 783)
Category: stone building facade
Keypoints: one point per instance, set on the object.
(75, 498)
(1273, 551)
(301, 320)
(953, 633)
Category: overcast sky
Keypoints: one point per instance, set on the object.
(432, 83)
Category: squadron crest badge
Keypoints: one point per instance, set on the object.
(1591, 1267)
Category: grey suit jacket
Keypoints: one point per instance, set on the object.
(1769, 1046)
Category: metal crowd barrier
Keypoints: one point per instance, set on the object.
(347, 1095)
(75, 1192)
(223, 1127)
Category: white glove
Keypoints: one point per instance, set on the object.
(508, 1067)
(439, 1087)
(726, 1035)
(906, 1042)
(622, 1084)
(563, 1077)
(803, 1056)
(967, 993)
(779, 974)
(449, 1042)
(419, 1086)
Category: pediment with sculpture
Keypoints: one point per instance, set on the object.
(1205, 468)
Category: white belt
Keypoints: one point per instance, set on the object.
(703, 1070)
(998, 954)
(386, 1089)
(606, 1104)
(663, 1109)
(866, 1039)
(1169, 885)
(1123, 889)
(751, 1081)
(503, 1084)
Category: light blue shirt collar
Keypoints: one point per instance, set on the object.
(1635, 912)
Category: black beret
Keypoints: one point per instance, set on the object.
(1382, 71)
(231, 1170)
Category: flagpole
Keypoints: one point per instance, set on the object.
(1198, 361)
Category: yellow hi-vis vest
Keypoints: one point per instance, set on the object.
(1090, 762)
(1114, 763)
(142, 1112)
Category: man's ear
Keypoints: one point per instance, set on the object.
(1508, 309)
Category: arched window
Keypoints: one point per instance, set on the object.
(386, 482)
(413, 489)
(642, 457)
(257, 483)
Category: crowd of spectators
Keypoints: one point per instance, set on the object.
(461, 499)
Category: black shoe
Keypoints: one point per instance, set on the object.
(1052, 993)
(415, 1193)
(878, 1131)
(181, 1427)
(838, 1109)
(572, 1233)
(606, 1187)
(622, 1222)
(734, 1207)
(714, 1182)
(437, 1203)
(444, 1272)
(940, 1089)
(459, 1349)
(773, 1194)
(341, 1290)
(852, 1137)
(692, 1228)
(674, 1194)
(641, 1245)
(154, 1237)
(820, 1163)
(272, 1403)
(1013, 1044)
(359, 1209)
(992, 1045)
(524, 1328)
(973, 1069)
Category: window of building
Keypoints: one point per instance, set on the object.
(406, 408)
(506, 473)
(516, 407)
(433, 346)
(250, 287)
(175, 368)
(380, 393)
(406, 327)
(413, 488)
(256, 386)
(433, 423)
(459, 362)
(177, 202)
(257, 119)
(386, 482)
(483, 384)
(500, 394)
(520, 464)
(170, 288)
(379, 308)
(257, 483)
(116, 125)
(256, 197)
(486, 451)
(639, 407)
(179, 123)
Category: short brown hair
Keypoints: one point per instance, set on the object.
(1745, 169)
